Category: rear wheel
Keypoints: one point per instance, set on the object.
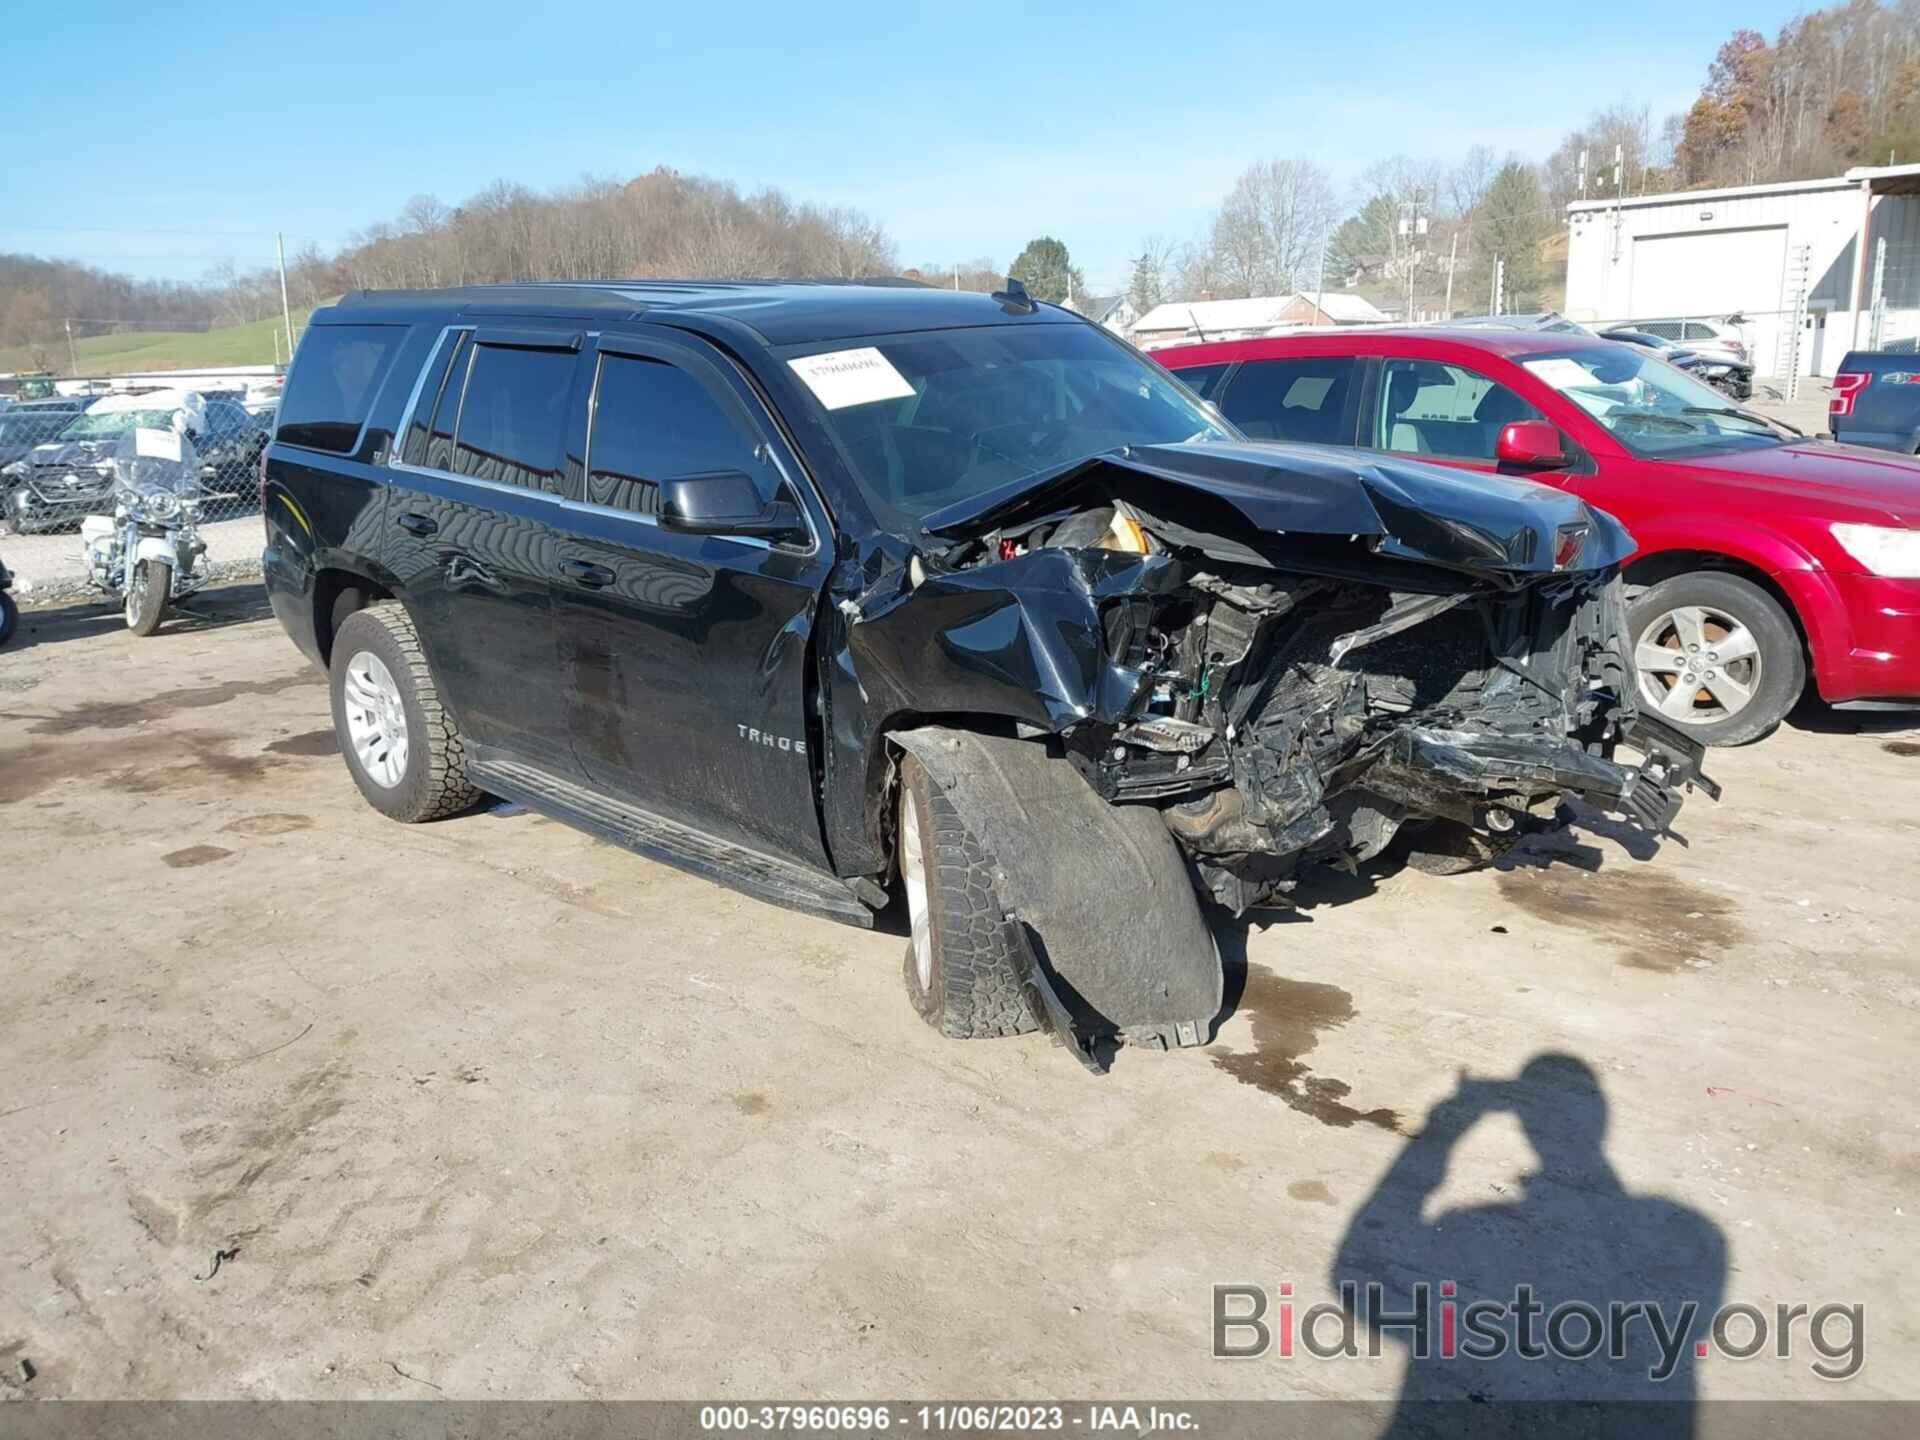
(147, 590)
(961, 972)
(400, 744)
(9, 616)
(1717, 656)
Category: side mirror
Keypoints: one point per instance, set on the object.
(726, 502)
(1533, 444)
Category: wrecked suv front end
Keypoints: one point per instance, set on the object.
(1292, 654)
(1088, 656)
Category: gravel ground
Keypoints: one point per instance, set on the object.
(298, 1102)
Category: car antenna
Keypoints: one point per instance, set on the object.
(1194, 320)
(1015, 297)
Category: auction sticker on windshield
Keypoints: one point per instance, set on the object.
(841, 378)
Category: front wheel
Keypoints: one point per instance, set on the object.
(1715, 655)
(961, 972)
(9, 616)
(148, 589)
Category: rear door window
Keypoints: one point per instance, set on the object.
(1428, 407)
(513, 417)
(1303, 400)
(654, 421)
(331, 387)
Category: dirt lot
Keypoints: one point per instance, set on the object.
(298, 1102)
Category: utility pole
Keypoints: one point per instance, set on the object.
(73, 356)
(1413, 229)
(286, 310)
(1496, 302)
(956, 275)
(1453, 257)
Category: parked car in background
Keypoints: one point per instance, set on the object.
(1717, 338)
(1729, 377)
(27, 423)
(1876, 400)
(58, 483)
(1547, 321)
(1761, 554)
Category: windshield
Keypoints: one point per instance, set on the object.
(947, 414)
(1652, 408)
(111, 424)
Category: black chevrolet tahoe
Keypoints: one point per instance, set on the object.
(835, 593)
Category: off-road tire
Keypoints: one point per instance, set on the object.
(1783, 663)
(434, 784)
(974, 989)
(9, 617)
(145, 618)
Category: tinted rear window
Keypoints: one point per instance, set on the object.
(332, 384)
(514, 416)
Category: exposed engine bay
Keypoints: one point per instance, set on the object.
(1288, 698)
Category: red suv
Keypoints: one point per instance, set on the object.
(1762, 553)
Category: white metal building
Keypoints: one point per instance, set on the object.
(1761, 252)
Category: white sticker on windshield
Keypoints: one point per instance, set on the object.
(159, 444)
(851, 377)
(1561, 373)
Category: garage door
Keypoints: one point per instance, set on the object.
(1708, 273)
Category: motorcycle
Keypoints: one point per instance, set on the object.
(149, 551)
(9, 612)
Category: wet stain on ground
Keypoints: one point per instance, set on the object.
(314, 742)
(124, 714)
(1902, 747)
(751, 1103)
(1311, 1190)
(269, 824)
(149, 762)
(194, 855)
(1287, 1017)
(1656, 920)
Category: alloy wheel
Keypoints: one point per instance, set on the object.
(913, 870)
(1697, 664)
(376, 719)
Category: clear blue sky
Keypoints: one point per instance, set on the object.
(163, 144)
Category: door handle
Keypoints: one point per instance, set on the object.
(585, 572)
(416, 524)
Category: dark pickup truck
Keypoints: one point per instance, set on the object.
(1876, 401)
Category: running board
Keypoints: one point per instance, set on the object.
(751, 872)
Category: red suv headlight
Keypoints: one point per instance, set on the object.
(1846, 385)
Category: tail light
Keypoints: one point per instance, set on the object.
(1846, 385)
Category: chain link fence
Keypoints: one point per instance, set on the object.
(56, 469)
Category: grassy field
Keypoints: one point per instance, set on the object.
(252, 344)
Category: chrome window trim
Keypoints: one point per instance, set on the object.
(413, 397)
(586, 507)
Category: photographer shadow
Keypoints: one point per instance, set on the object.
(1572, 1250)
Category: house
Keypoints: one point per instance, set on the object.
(1180, 322)
(1758, 256)
(1115, 312)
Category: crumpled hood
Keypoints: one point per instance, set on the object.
(1210, 495)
